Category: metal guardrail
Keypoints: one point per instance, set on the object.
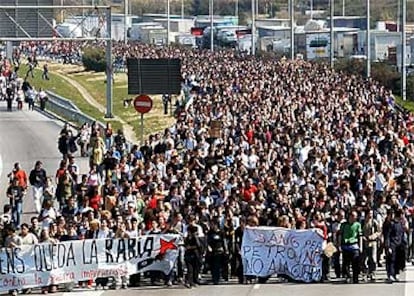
(68, 110)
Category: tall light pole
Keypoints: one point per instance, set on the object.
(332, 37)
(253, 51)
(126, 21)
(403, 50)
(236, 11)
(61, 12)
(368, 41)
(292, 29)
(211, 25)
(168, 22)
(343, 7)
(109, 72)
(311, 9)
(182, 9)
(398, 16)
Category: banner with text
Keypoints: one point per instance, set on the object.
(273, 250)
(72, 261)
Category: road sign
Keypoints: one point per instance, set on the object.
(143, 104)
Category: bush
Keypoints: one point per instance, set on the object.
(93, 59)
(350, 66)
(386, 74)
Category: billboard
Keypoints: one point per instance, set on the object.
(317, 45)
(154, 76)
(32, 22)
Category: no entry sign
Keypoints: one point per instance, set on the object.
(143, 104)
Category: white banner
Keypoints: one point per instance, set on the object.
(44, 264)
(273, 250)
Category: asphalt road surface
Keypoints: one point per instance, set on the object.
(379, 288)
(25, 137)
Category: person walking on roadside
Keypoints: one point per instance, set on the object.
(42, 99)
(19, 174)
(45, 74)
(15, 193)
(31, 97)
(31, 65)
(350, 237)
(395, 244)
(38, 179)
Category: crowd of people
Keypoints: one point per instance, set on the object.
(301, 146)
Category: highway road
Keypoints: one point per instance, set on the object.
(380, 288)
(25, 137)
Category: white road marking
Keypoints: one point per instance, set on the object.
(1, 166)
(409, 279)
(256, 286)
(84, 293)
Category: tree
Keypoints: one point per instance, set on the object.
(93, 59)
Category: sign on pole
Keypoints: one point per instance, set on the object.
(143, 104)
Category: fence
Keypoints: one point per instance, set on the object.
(67, 110)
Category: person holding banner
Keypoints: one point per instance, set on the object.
(350, 237)
(47, 239)
(12, 241)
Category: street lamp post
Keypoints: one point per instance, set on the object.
(292, 29)
(182, 9)
(403, 50)
(253, 50)
(211, 25)
(168, 22)
(332, 36)
(368, 41)
(126, 21)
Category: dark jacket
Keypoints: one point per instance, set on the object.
(38, 178)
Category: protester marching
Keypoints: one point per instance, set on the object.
(311, 166)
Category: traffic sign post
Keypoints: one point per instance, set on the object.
(143, 104)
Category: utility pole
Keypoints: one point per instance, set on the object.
(398, 16)
(311, 9)
(126, 21)
(212, 25)
(253, 51)
(403, 51)
(168, 22)
(292, 30)
(332, 37)
(343, 7)
(182, 9)
(109, 73)
(368, 41)
(62, 12)
(236, 11)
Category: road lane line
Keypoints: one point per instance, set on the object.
(256, 286)
(1, 166)
(409, 281)
(84, 293)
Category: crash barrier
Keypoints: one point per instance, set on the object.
(68, 110)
